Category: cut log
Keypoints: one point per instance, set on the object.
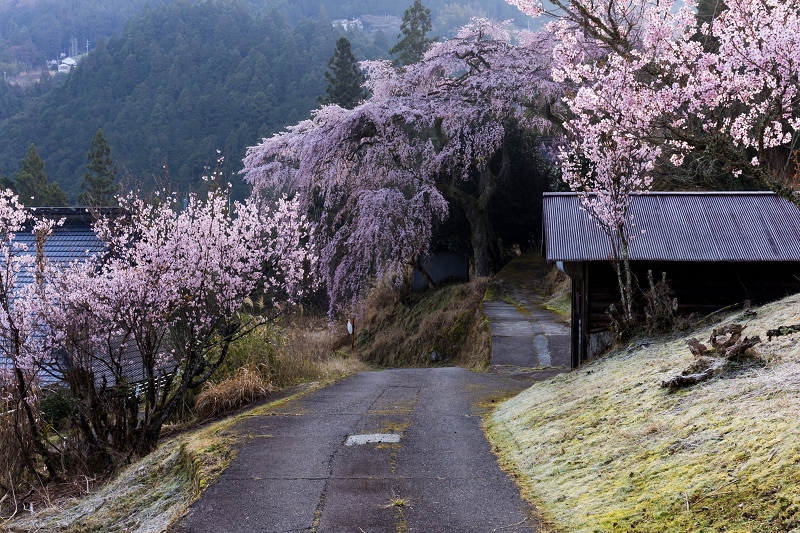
(733, 332)
(740, 347)
(681, 381)
(697, 348)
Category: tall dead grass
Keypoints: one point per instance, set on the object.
(271, 358)
(245, 387)
(426, 327)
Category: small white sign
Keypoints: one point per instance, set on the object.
(349, 327)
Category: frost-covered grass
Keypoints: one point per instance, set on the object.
(607, 449)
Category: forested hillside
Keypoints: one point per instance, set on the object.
(447, 14)
(35, 31)
(181, 82)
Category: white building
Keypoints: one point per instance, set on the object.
(348, 24)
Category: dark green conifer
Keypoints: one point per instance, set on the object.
(344, 77)
(6, 182)
(413, 35)
(32, 186)
(98, 184)
(707, 12)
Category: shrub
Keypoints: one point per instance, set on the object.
(245, 387)
(660, 306)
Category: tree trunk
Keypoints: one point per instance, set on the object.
(416, 263)
(479, 229)
(476, 210)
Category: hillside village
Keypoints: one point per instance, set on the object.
(348, 274)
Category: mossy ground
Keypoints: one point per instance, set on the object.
(606, 448)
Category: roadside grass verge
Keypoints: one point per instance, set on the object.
(606, 448)
(425, 328)
(149, 495)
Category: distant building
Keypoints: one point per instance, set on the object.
(347, 25)
(67, 64)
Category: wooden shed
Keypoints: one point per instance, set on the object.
(717, 249)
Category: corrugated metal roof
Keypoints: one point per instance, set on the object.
(706, 226)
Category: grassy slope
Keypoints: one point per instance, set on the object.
(398, 332)
(606, 449)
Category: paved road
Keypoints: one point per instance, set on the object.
(526, 336)
(527, 340)
(326, 462)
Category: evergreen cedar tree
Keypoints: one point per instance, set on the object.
(413, 40)
(31, 184)
(98, 184)
(345, 79)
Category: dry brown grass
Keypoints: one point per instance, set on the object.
(427, 327)
(272, 358)
(606, 448)
(310, 353)
(244, 388)
(557, 291)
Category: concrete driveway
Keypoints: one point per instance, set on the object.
(391, 451)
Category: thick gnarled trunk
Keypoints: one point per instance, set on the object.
(476, 210)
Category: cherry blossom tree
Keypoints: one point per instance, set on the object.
(179, 286)
(651, 98)
(21, 331)
(381, 176)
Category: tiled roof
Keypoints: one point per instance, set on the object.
(712, 226)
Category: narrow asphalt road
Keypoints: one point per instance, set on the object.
(390, 451)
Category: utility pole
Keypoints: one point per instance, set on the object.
(87, 46)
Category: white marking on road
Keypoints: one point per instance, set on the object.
(355, 440)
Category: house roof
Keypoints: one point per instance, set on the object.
(686, 226)
(74, 240)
